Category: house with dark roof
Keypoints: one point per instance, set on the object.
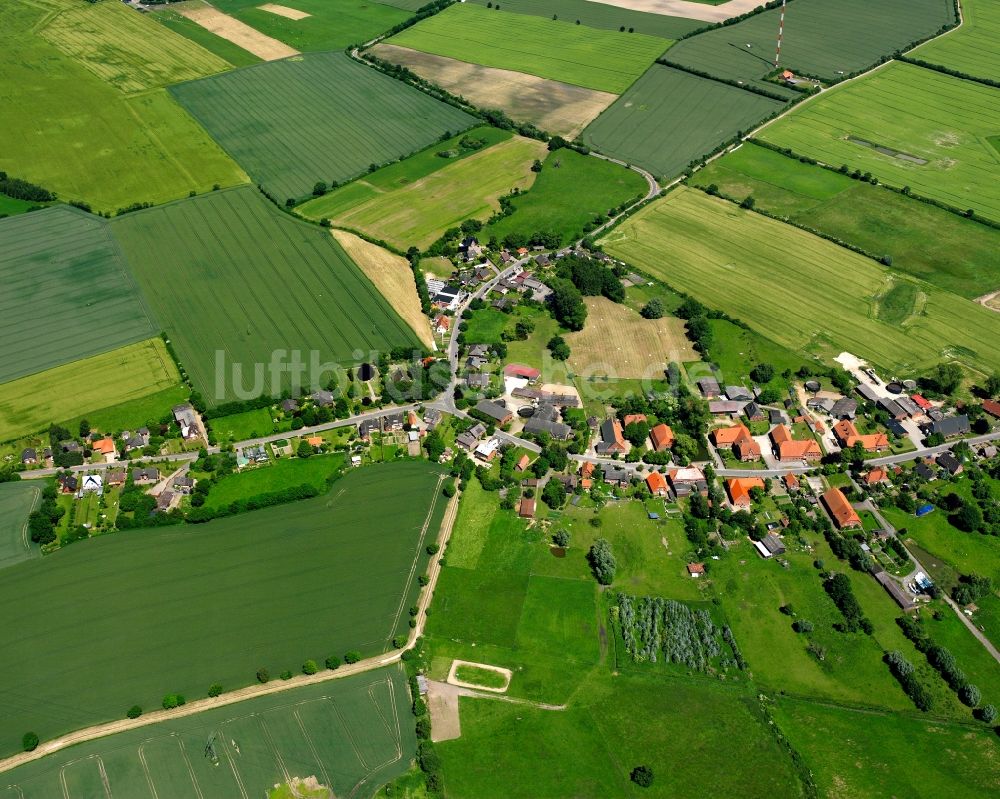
(950, 463)
(147, 475)
(558, 430)
(366, 427)
(289, 405)
(773, 544)
(29, 457)
(867, 392)
(844, 408)
(951, 426)
(709, 387)
(470, 437)
(726, 407)
(495, 411)
(614, 475)
(393, 422)
(478, 380)
(687, 480)
(893, 408)
(612, 438)
(68, 483)
(754, 412)
(925, 472)
(735, 393)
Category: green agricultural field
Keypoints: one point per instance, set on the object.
(244, 425)
(124, 375)
(124, 48)
(932, 130)
(11, 206)
(969, 553)
(223, 48)
(142, 412)
(944, 249)
(603, 16)
(736, 350)
(167, 609)
(347, 733)
(319, 117)
(973, 47)
(77, 135)
(249, 282)
(822, 38)
(17, 500)
(570, 191)
(596, 59)
(279, 475)
(67, 292)
(669, 118)
(859, 754)
(420, 212)
(771, 275)
(401, 174)
(331, 24)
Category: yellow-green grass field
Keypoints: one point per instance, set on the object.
(971, 48)
(319, 117)
(66, 129)
(596, 59)
(169, 610)
(418, 213)
(67, 292)
(945, 249)
(331, 24)
(230, 276)
(17, 500)
(32, 403)
(124, 48)
(916, 114)
(347, 732)
(801, 291)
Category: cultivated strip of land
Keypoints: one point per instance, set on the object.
(239, 33)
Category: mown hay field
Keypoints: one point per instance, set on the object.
(596, 59)
(558, 108)
(925, 241)
(318, 117)
(602, 15)
(669, 118)
(802, 291)
(973, 47)
(419, 213)
(330, 24)
(916, 115)
(174, 610)
(67, 292)
(225, 49)
(124, 48)
(70, 131)
(393, 277)
(229, 273)
(345, 733)
(32, 403)
(823, 38)
(570, 191)
(617, 342)
(17, 500)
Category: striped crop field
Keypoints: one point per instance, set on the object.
(822, 38)
(168, 610)
(908, 126)
(799, 290)
(229, 273)
(973, 48)
(124, 48)
(602, 15)
(67, 293)
(318, 117)
(606, 60)
(30, 404)
(669, 118)
(17, 500)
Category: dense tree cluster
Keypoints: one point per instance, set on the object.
(903, 671)
(840, 591)
(602, 561)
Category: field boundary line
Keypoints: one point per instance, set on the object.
(145, 770)
(232, 764)
(312, 746)
(190, 768)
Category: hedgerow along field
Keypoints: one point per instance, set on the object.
(67, 292)
(561, 109)
(124, 48)
(17, 500)
(971, 48)
(933, 130)
(669, 118)
(323, 576)
(922, 240)
(319, 117)
(229, 272)
(349, 734)
(331, 24)
(418, 214)
(806, 293)
(605, 16)
(596, 59)
(30, 404)
(822, 38)
(142, 148)
(570, 191)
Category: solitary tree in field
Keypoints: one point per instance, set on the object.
(215, 689)
(653, 309)
(642, 776)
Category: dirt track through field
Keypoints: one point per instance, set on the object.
(683, 8)
(239, 33)
(393, 277)
(556, 107)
